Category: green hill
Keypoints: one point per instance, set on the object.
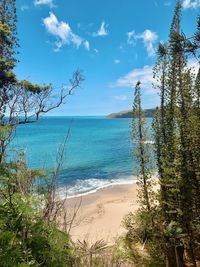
(128, 114)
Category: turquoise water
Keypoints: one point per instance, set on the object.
(97, 153)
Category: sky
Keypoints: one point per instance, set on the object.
(112, 41)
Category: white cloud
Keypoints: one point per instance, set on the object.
(150, 95)
(131, 37)
(87, 45)
(116, 61)
(145, 75)
(191, 4)
(149, 38)
(63, 33)
(96, 51)
(76, 40)
(121, 97)
(102, 30)
(44, 2)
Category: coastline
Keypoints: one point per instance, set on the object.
(100, 214)
(63, 192)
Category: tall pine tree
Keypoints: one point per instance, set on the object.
(8, 46)
(176, 151)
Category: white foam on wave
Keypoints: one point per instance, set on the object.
(89, 186)
(145, 142)
(149, 142)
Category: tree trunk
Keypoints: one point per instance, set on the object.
(179, 256)
(171, 257)
(175, 256)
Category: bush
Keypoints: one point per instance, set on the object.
(144, 238)
(26, 239)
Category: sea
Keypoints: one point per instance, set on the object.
(97, 153)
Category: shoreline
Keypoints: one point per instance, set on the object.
(94, 191)
(129, 180)
(100, 214)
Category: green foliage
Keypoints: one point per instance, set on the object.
(164, 228)
(5, 131)
(34, 88)
(143, 152)
(22, 102)
(99, 254)
(8, 41)
(25, 238)
(176, 129)
(144, 239)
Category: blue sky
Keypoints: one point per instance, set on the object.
(112, 41)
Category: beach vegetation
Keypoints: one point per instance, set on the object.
(165, 230)
(176, 134)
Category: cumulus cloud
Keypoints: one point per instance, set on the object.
(43, 2)
(148, 37)
(102, 30)
(191, 4)
(63, 33)
(145, 75)
(121, 97)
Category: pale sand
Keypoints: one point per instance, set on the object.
(100, 214)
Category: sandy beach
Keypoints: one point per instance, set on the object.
(100, 214)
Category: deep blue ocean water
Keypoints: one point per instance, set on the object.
(97, 153)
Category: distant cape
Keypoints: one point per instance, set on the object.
(128, 114)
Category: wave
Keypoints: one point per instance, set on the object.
(89, 186)
(145, 142)
(149, 142)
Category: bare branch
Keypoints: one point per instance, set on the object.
(44, 107)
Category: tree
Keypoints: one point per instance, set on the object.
(26, 239)
(175, 127)
(142, 154)
(21, 101)
(8, 45)
(160, 71)
(170, 67)
(143, 226)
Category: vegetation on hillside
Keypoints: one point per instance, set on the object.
(129, 114)
(175, 230)
(165, 231)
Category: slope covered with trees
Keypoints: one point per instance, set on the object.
(176, 131)
(29, 235)
(165, 231)
(129, 114)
